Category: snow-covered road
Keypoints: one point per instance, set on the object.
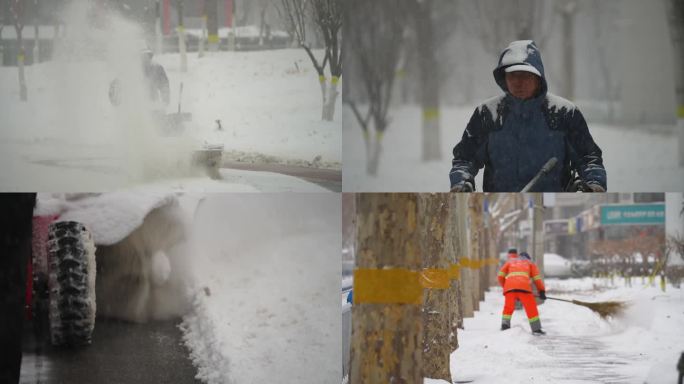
(121, 352)
(640, 346)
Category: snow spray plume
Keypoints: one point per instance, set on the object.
(604, 308)
(146, 276)
(99, 46)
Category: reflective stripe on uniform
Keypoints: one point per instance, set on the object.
(536, 318)
(507, 317)
(501, 273)
(526, 274)
(538, 277)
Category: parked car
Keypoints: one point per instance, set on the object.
(556, 265)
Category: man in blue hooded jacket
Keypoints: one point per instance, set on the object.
(513, 135)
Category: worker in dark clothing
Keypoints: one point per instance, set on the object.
(513, 135)
(157, 82)
(16, 212)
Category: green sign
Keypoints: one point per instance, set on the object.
(633, 214)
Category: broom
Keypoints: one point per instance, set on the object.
(604, 308)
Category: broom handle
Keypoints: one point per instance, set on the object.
(555, 298)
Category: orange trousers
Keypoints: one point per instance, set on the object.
(528, 301)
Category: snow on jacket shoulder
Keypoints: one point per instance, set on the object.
(513, 138)
(516, 275)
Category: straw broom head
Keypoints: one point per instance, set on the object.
(604, 308)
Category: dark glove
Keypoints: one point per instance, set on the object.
(594, 187)
(465, 186)
(542, 295)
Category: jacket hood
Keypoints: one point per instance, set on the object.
(521, 52)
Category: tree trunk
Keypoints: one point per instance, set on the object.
(433, 215)
(158, 41)
(386, 336)
(429, 75)
(2, 48)
(181, 39)
(331, 99)
(569, 11)
(681, 138)
(461, 251)
(21, 57)
(203, 37)
(212, 25)
(476, 251)
(374, 159)
(324, 86)
(230, 4)
(455, 301)
(36, 41)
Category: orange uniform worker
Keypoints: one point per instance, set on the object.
(515, 277)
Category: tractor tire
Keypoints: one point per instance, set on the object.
(71, 284)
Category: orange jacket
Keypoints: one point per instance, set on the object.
(516, 274)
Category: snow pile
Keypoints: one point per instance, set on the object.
(402, 170)
(111, 217)
(264, 307)
(640, 346)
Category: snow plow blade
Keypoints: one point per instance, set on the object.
(209, 158)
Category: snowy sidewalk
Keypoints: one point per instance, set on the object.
(266, 310)
(642, 345)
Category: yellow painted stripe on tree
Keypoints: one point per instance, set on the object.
(321, 79)
(181, 28)
(400, 73)
(213, 38)
(430, 114)
(379, 135)
(454, 271)
(387, 286)
(466, 262)
(435, 278)
(21, 57)
(680, 112)
(397, 285)
(334, 80)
